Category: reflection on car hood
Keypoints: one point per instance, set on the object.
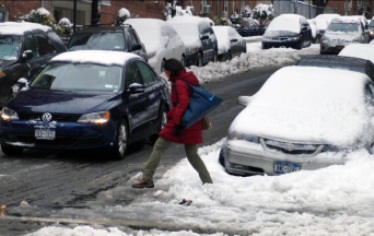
(62, 102)
(280, 34)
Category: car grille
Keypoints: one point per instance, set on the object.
(291, 148)
(55, 116)
(61, 141)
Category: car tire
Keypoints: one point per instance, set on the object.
(121, 142)
(11, 150)
(221, 158)
(229, 55)
(162, 122)
(215, 57)
(200, 60)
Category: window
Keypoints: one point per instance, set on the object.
(146, 72)
(30, 44)
(43, 45)
(132, 75)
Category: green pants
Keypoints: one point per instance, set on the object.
(191, 151)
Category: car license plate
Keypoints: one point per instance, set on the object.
(339, 47)
(46, 134)
(283, 167)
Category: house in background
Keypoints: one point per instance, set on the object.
(12, 10)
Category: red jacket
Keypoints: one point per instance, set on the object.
(193, 134)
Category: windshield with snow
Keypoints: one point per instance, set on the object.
(98, 41)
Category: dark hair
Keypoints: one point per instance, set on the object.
(174, 66)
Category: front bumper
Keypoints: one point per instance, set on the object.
(333, 46)
(68, 135)
(282, 43)
(255, 159)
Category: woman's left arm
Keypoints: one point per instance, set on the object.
(183, 98)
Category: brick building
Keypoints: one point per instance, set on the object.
(11, 10)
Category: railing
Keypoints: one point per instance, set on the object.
(301, 8)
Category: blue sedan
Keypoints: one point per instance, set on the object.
(85, 100)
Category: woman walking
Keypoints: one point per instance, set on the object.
(172, 133)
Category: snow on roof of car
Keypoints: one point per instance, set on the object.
(96, 56)
(358, 50)
(346, 19)
(308, 104)
(286, 22)
(18, 28)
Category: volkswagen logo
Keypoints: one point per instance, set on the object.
(47, 117)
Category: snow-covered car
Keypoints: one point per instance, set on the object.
(198, 37)
(322, 21)
(339, 62)
(301, 120)
(230, 43)
(86, 100)
(357, 50)
(341, 32)
(24, 49)
(160, 40)
(287, 30)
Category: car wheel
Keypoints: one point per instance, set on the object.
(229, 55)
(221, 158)
(162, 122)
(10, 150)
(215, 56)
(200, 60)
(121, 141)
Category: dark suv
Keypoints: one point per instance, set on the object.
(107, 37)
(24, 49)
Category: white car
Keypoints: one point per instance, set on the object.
(357, 50)
(160, 40)
(322, 21)
(301, 120)
(230, 42)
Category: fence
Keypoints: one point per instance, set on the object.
(301, 8)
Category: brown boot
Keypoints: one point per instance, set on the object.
(144, 183)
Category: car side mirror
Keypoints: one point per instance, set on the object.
(245, 100)
(203, 37)
(136, 88)
(136, 47)
(21, 84)
(27, 55)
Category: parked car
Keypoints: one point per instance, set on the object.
(339, 62)
(322, 21)
(198, 37)
(86, 100)
(249, 27)
(108, 37)
(230, 43)
(300, 120)
(341, 32)
(24, 49)
(371, 30)
(356, 50)
(160, 40)
(288, 30)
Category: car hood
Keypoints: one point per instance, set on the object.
(62, 102)
(4, 63)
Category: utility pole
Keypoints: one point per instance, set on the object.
(95, 15)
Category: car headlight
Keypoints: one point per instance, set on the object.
(96, 117)
(191, 50)
(241, 136)
(8, 114)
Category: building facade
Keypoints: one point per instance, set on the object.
(12, 10)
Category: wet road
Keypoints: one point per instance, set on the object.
(42, 183)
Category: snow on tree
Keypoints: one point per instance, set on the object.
(188, 11)
(123, 14)
(263, 13)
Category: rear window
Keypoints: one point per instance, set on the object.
(98, 41)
